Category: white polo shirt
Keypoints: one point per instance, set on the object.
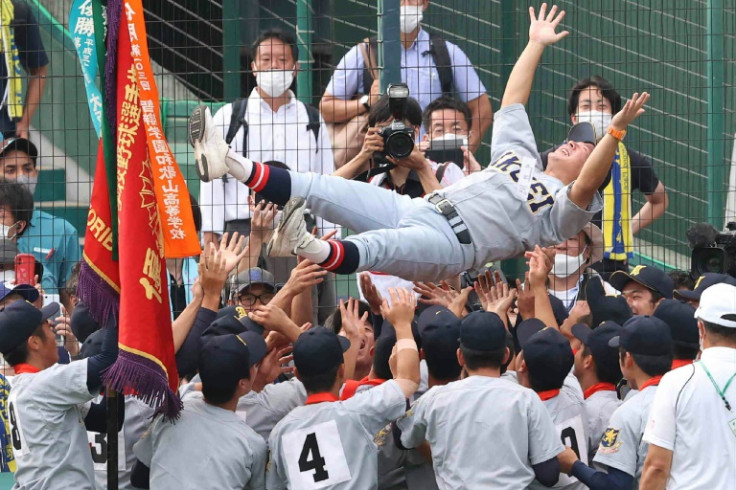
(689, 418)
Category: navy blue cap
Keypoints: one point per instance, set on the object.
(527, 328)
(645, 335)
(225, 359)
(92, 345)
(649, 277)
(704, 282)
(17, 322)
(547, 354)
(27, 292)
(436, 316)
(597, 341)
(50, 311)
(483, 331)
(440, 332)
(232, 320)
(82, 323)
(605, 307)
(319, 350)
(680, 317)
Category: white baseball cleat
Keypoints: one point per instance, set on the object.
(210, 149)
(291, 236)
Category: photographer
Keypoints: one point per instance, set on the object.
(448, 120)
(414, 175)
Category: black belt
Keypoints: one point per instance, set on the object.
(447, 210)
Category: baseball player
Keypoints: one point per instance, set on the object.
(46, 426)
(459, 419)
(236, 454)
(329, 443)
(692, 420)
(490, 215)
(645, 347)
(544, 365)
(680, 317)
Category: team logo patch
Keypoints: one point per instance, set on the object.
(609, 442)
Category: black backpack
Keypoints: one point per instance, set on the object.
(440, 55)
(237, 119)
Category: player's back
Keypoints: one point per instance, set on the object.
(599, 408)
(329, 444)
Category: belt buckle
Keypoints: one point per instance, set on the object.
(444, 206)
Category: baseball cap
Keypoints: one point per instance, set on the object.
(582, 132)
(704, 282)
(50, 311)
(547, 353)
(319, 350)
(597, 341)
(8, 251)
(82, 323)
(254, 275)
(17, 322)
(680, 317)
(232, 320)
(605, 307)
(436, 316)
(92, 345)
(482, 331)
(20, 144)
(645, 335)
(440, 330)
(718, 305)
(225, 359)
(649, 277)
(28, 292)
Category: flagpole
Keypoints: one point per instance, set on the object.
(112, 438)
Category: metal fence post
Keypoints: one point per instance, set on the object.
(715, 74)
(389, 43)
(230, 49)
(304, 41)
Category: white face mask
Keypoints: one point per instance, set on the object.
(275, 82)
(599, 120)
(410, 16)
(566, 265)
(5, 231)
(28, 182)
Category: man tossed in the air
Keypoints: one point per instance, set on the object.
(491, 215)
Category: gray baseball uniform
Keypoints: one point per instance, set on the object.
(599, 408)
(47, 428)
(137, 419)
(507, 208)
(330, 445)
(402, 469)
(622, 446)
(459, 419)
(207, 447)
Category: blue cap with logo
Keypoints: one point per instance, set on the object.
(650, 277)
(645, 335)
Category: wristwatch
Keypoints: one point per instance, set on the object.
(619, 134)
(365, 100)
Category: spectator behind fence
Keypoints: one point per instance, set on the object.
(594, 100)
(447, 117)
(430, 66)
(51, 239)
(22, 47)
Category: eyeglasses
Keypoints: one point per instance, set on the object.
(249, 299)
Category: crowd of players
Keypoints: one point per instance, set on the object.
(566, 378)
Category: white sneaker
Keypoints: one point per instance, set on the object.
(210, 149)
(291, 236)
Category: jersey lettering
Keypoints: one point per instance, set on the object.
(17, 438)
(314, 457)
(538, 197)
(98, 448)
(572, 435)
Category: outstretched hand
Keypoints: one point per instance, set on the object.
(633, 108)
(542, 27)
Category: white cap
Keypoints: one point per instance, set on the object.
(718, 305)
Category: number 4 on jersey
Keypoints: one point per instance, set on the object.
(310, 459)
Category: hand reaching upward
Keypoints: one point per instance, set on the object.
(542, 29)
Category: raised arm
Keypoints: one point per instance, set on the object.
(541, 34)
(400, 315)
(598, 164)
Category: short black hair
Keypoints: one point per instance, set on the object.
(682, 279)
(599, 82)
(280, 34)
(606, 374)
(539, 385)
(219, 394)
(19, 355)
(512, 351)
(19, 199)
(651, 365)
(446, 102)
(726, 333)
(683, 350)
(320, 382)
(477, 359)
(380, 111)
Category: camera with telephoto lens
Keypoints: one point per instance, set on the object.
(398, 138)
(713, 250)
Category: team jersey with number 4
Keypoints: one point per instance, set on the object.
(47, 429)
(330, 444)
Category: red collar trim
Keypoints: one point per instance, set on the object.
(546, 395)
(598, 387)
(320, 398)
(651, 382)
(678, 363)
(23, 368)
